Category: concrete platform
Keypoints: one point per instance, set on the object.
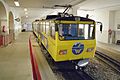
(111, 50)
(15, 63)
(44, 68)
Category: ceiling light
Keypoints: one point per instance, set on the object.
(25, 9)
(26, 16)
(16, 3)
(26, 13)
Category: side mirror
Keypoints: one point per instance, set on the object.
(101, 26)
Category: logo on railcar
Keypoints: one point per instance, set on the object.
(77, 48)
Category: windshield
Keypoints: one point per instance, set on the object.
(76, 31)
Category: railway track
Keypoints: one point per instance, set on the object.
(108, 60)
(67, 69)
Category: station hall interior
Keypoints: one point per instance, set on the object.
(21, 54)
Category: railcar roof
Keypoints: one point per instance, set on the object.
(71, 18)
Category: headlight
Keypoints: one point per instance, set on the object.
(90, 49)
(83, 62)
(63, 52)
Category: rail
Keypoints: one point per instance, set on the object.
(108, 60)
(71, 73)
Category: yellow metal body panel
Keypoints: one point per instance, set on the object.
(54, 46)
(67, 45)
(50, 44)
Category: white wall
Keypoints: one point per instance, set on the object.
(27, 23)
(17, 25)
(4, 21)
(117, 21)
(112, 20)
(83, 13)
(101, 16)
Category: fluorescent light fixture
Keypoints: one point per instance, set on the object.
(25, 9)
(16, 3)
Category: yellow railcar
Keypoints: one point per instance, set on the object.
(67, 38)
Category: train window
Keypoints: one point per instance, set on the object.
(86, 31)
(52, 30)
(60, 30)
(76, 31)
(36, 27)
(44, 27)
(91, 31)
(81, 30)
(47, 28)
(40, 26)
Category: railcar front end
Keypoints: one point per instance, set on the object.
(75, 41)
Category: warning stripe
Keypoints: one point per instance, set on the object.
(35, 70)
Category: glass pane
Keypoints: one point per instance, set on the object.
(73, 30)
(44, 27)
(47, 28)
(52, 30)
(76, 31)
(86, 31)
(91, 31)
(60, 30)
(81, 30)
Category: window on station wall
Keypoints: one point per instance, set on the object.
(52, 30)
(47, 28)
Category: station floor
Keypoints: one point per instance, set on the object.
(15, 60)
(109, 46)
